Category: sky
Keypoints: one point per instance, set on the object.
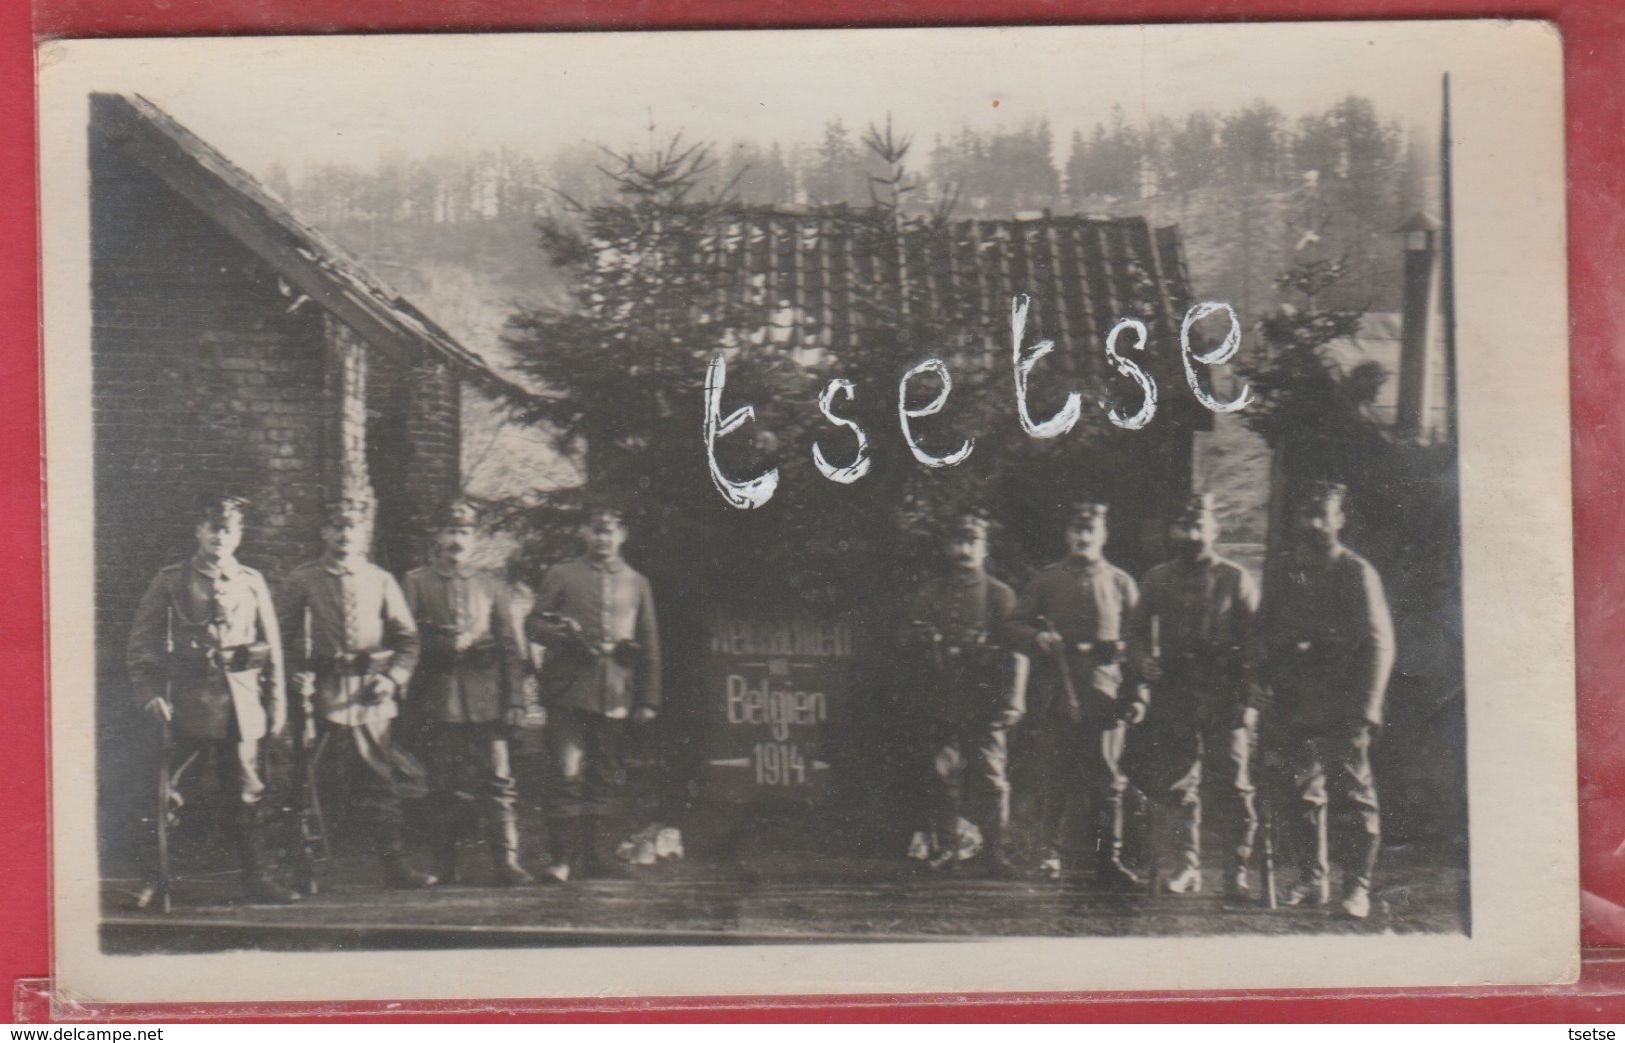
(306, 100)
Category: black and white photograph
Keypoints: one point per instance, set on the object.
(808, 511)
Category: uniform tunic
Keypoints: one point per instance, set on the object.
(207, 606)
(1329, 639)
(963, 607)
(1204, 614)
(1088, 603)
(613, 602)
(352, 609)
(480, 681)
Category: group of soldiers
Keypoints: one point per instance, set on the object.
(1147, 686)
(1179, 667)
(220, 664)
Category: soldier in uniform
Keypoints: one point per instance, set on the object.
(1329, 646)
(205, 656)
(970, 690)
(595, 615)
(348, 627)
(1071, 620)
(469, 686)
(1193, 639)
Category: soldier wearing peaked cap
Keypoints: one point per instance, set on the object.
(1328, 642)
(969, 690)
(348, 626)
(205, 658)
(1193, 637)
(469, 685)
(1071, 620)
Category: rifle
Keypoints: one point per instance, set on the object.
(1266, 826)
(1159, 825)
(165, 781)
(572, 629)
(1074, 706)
(307, 808)
(1266, 853)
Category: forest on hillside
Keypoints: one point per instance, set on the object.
(1234, 181)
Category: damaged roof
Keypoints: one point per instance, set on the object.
(308, 259)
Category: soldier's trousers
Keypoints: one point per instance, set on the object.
(1330, 770)
(1179, 754)
(237, 784)
(970, 760)
(377, 774)
(586, 772)
(1080, 760)
(469, 771)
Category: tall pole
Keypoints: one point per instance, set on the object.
(1447, 265)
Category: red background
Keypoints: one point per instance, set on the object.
(1594, 57)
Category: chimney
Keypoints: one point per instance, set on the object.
(1421, 238)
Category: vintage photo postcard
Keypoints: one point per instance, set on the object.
(808, 512)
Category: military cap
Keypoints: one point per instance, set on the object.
(974, 522)
(1197, 507)
(221, 508)
(347, 510)
(459, 514)
(603, 508)
(1316, 494)
(1086, 511)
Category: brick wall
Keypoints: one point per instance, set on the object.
(413, 436)
(211, 372)
(206, 375)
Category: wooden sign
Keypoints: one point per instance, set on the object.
(774, 687)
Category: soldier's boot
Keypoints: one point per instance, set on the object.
(995, 857)
(446, 833)
(600, 840)
(1110, 872)
(258, 886)
(1314, 888)
(1236, 884)
(1186, 834)
(564, 843)
(1356, 902)
(445, 861)
(505, 851)
(398, 875)
(1364, 845)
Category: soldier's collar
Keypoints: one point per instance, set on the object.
(228, 568)
(1079, 563)
(966, 578)
(615, 564)
(1308, 556)
(337, 566)
(454, 571)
